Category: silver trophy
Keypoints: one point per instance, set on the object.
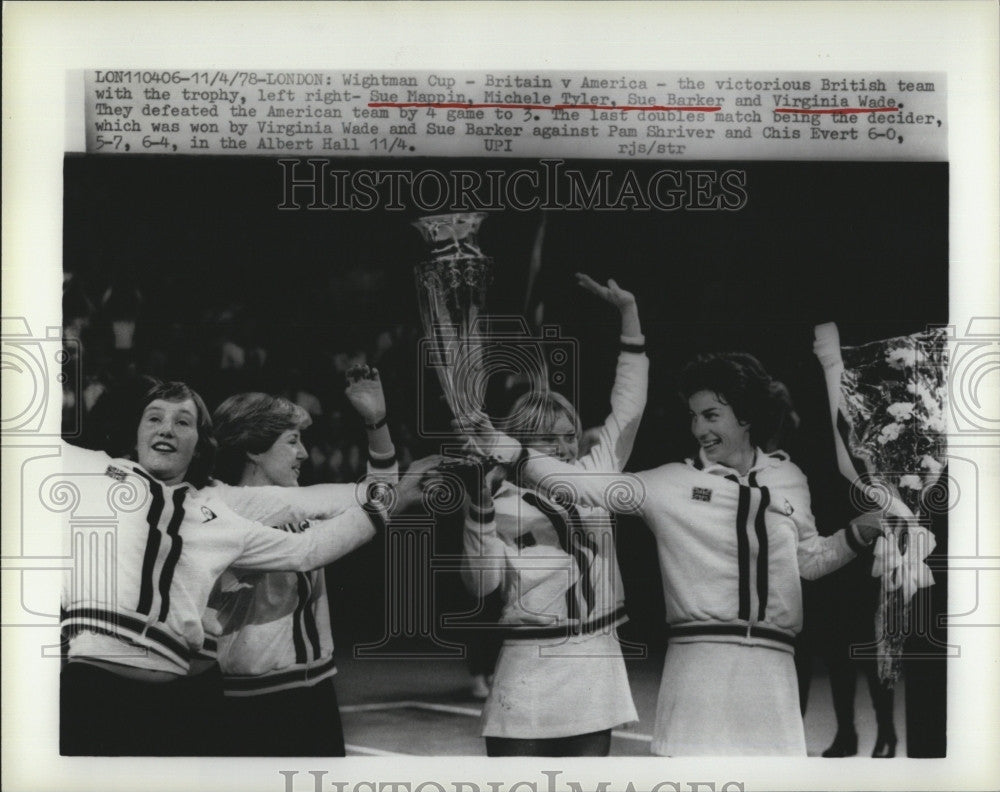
(451, 290)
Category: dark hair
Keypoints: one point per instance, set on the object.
(250, 423)
(112, 421)
(740, 381)
(204, 452)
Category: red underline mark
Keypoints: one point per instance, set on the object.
(626, 108)
(835, 110)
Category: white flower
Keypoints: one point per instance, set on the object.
(911, 482)
(901, 411)
(934, 423)
(927, 462)
(901, 357)
(889, 432)
(930, 401)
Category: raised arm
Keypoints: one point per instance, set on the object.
(628, 395)
(364, 392)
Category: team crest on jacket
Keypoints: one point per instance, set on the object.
(701, 494)
(208, 514)
(115, 472)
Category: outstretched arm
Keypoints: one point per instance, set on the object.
(273, 505)
(296, 549)
(819, 555)
(322, 501)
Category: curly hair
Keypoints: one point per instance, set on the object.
(740, 381)
(250, 423)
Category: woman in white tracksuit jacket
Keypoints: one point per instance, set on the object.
(275, 646)
(560, 684)
(134, 601)
(734, 532)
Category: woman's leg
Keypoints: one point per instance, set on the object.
(883, 700)
(843, 685)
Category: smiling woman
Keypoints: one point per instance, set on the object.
(132, 620)
(259, 439)
(275, 640)
(734, 532)
(735, 407)
(174, 441)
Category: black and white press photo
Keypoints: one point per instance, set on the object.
(420, 396)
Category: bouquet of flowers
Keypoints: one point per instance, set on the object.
(887, 402)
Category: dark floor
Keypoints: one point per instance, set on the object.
(424, 707)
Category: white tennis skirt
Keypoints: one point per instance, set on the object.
(728, 699)
(559, 689)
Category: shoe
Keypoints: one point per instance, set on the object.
(885, 745)
(480, 689)
(844, 744)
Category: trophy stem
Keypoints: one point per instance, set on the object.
(451, 290)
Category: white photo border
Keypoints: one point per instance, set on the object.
(44, 41)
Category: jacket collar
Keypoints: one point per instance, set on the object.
(761, 461)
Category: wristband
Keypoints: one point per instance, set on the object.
(855, 541)
(381, 463)
(378, 424)
(377, 513)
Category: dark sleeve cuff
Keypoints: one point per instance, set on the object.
(382, 463)
(482, 515)
(852, 541)
(377, 515)
(517, 469)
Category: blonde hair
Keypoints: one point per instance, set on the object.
(535, 413)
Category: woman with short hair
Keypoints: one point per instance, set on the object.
(276, 646)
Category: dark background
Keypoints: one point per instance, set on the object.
(201, 240)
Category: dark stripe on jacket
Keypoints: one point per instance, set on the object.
(112, 621)
(152, 546)
(303, 590)
(176, 545)
(309, 616)
(743, 552)
(760, 526)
